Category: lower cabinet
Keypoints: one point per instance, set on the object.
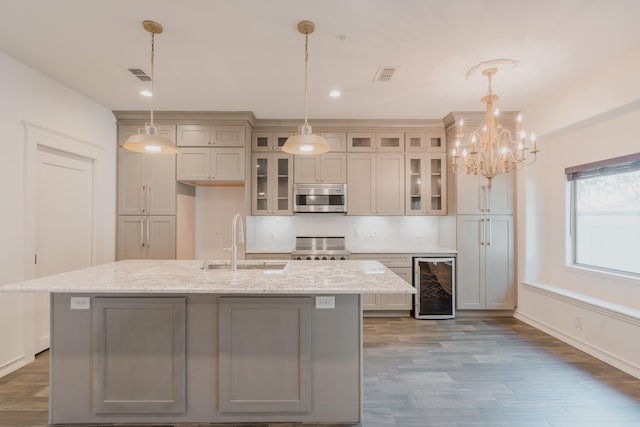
(485, 279)
(279, 380)
(399, 264)
(146, 237)
(138, 355)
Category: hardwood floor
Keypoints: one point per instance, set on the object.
(448, 373)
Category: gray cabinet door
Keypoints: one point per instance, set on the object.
(138, 355)
(264, 354)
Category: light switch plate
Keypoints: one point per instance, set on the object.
(325, 302)
(80, 303)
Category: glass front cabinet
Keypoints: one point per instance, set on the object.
(426, 183)
(272, 188)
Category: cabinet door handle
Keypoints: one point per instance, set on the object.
(143, 204)
(483, 198)
(482, 231)
(490, 231)
(148, 234)
(142, 233)
(489, 200)
(148, 199)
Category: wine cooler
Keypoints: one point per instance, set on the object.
(434, 279)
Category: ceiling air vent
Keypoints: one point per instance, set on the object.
(140, 74)
(384, 74)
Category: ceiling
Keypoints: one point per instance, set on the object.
(246, 55)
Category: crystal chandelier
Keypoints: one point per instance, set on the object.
(491, 149)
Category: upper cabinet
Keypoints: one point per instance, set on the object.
(268, 141)
(432, 140)
(271, 186)
(146, 182)
(330, 168)
(375, 183)
(336, 140)
(210, 136)
(375, 141)
(426, 183)
(224, 164)
(475, 197)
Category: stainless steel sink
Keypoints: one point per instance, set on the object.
(209, 265)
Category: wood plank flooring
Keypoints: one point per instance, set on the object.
(448, 373)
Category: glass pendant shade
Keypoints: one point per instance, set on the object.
(150, 142)
(305, 142)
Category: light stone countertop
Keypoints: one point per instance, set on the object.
(419, 251)
(181, 277)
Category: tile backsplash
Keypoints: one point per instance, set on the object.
(362, 233)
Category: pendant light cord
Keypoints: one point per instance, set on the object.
(306, 59)
(153, 94)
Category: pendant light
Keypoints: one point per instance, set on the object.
(305, 142)
(150, 141)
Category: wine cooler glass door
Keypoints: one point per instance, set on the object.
(434, 279)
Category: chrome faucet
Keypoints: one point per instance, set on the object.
(236, 236)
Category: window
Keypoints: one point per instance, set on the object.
(605, 214)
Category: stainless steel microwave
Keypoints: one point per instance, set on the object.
(320, 198)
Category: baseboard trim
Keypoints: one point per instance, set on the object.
(484, 313)
(12, 365)
(580, 345)
(615, 311)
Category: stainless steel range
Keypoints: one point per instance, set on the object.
(320, 249)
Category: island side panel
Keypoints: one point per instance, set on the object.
(335, 365)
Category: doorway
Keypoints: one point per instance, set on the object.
(63, 223)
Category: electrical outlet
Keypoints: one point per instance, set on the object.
(80, 303)
(373, 234)
(325, 302)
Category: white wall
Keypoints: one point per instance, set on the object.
(29, 96)
(593, 117)
(215, 208)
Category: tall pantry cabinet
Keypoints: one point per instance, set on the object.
(485, 231)
(146, 200)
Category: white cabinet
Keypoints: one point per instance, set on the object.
(336, 140)
(375, 141)
(426, 183)
(146, 183)
(210, 164)
(272, 189)
(269, 141)
(210, 135)
(431, 140)
(375, 183)
(485, 278)
(474, 196)
(328, 168)
(146, 237)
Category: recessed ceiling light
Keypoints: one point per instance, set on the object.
(146, 93)
(335, 93)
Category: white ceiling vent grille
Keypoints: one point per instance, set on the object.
(384, 74)
(140, 74)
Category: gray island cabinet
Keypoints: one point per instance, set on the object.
(167, 341)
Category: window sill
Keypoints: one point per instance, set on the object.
(604, 275)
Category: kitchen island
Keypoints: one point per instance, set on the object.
(170, 341)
